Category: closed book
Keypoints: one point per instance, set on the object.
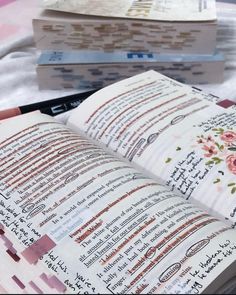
(154, 26)
(95, 69)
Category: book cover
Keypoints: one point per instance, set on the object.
(162, 10)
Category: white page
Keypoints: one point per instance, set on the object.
(157, 123)
(171, 10)
(95, 223)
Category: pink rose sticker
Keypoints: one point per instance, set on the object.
(231, 163)
(211, 150)
(228, 136)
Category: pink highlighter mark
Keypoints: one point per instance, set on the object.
(6, 2)
(38, 249)
(54, 283)
(9, 112)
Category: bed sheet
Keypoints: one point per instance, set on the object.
(18, 55)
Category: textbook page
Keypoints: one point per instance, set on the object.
(97, 225)
(172, 133)
(171, 10)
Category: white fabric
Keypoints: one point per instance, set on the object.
(18, 56)
(18, 83)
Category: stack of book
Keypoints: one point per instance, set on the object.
(87, 44)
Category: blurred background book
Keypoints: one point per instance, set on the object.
(180, 37)
(96, 69)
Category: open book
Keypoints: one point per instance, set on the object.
(137, 194)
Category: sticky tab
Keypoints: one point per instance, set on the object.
(226, 103)
(38, 249)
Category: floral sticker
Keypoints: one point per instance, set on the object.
(221, 147)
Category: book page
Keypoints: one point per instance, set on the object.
(172, 133)
(17, 276)
(97, 225)
(163, 10)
